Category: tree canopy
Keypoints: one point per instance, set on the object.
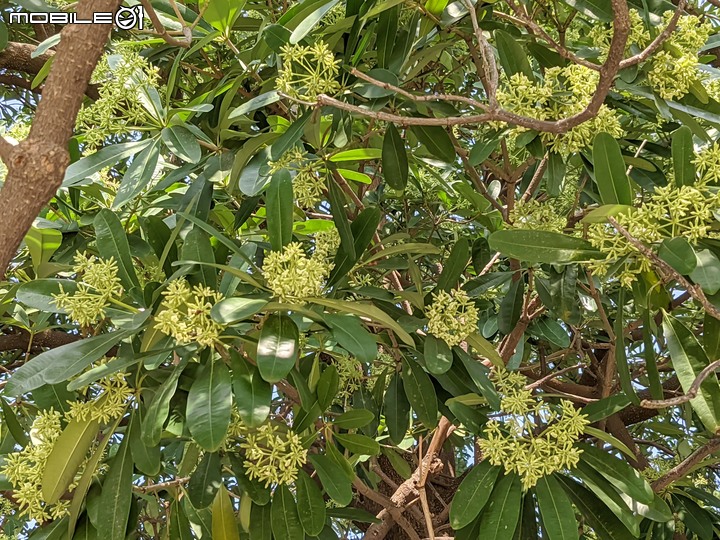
(381, 269)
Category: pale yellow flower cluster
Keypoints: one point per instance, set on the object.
(98, 283)
(537, 216)
(452, 316)
(309, 180)
(185, 314)
(307, 71)
(273, 456)
(515, 443)
(110, 400)
(25, 469)
(292, 276)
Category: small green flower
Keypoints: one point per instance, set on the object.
(109, 400)
(307, 71)
(272, 456)
(185, 314)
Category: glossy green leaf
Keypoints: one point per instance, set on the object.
(179, 523)
(437, 142)
(511, 307)
(310, 504)
(116, 496)
(138, 175)
(358, 444)
(610, 175)
(707, 272)
(352, 336)
(354, 419)
(197, 247)
(394, 158)
(622, 475)
(327, 386)
(252, 393)
(513, 58)
(420, 392)
(333, 478)
(689, 359)
(181, 142)
(500, 517)
(454, 266)
(337, 205)
(279, 205)
(284, 515)
(397, 409)
(362, 230)
(105, 157)
(472, 494)
(159, 408)
(146, 458)
(67, 455)
(209, 404)
(260, 522)
(438, 356)
(682, 156)
(205, 481)
(679, 254)
(112, 242)
(359, 154)
(232, 310)
(558, 516)
(277, 349)
(224, 526)
(58, 365)
(542, 246)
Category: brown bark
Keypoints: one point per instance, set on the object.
(37, 165)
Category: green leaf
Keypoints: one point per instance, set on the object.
(352, 336)
(542, 246)
(689, 359)
(284, 518)
(112, 242)
(623, 367)
(138, 175)
(209, 403)
(327, 387)
(610, 174)
(67, 455)
(197, 247)
(221, 14)
(310, 21)
(224, 525)
(420, 393)
(354, 419)
(105, 157)
(268, 98)
(558, 516)
(179, 522)
(337, 205)
(695, 518)
(472, 494)
(437, 142)
(236, 309)
(116, 496)
(363, 229)
(310, 504)
(438, 356)
(277, 349)
(252, 394)
(397, 409)
(205, 481)
(683, 155)
(159, 408)
(513, 58)
(679, 254)
(359, 154)
(605, 407)
(500, 517)
(597, 515)
(42, 243)
(366, 310)
(601, 214)
(595, 9)
(707, 272)
(333, 478)
(260, 522)
(279, 206)
(358, 444)
(552, 331)
(511, 307)
(394, 158)
(58, 365)
(481, 151)
(146, 458)
(454, 266)
(181, 142)
(623, 476)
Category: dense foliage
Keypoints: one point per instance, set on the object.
(374, 268)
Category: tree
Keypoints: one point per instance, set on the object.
(368, 269)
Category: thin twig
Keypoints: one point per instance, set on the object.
(690, 395)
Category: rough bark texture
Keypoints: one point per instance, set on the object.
(37, 165)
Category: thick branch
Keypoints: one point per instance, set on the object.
(36, 166)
